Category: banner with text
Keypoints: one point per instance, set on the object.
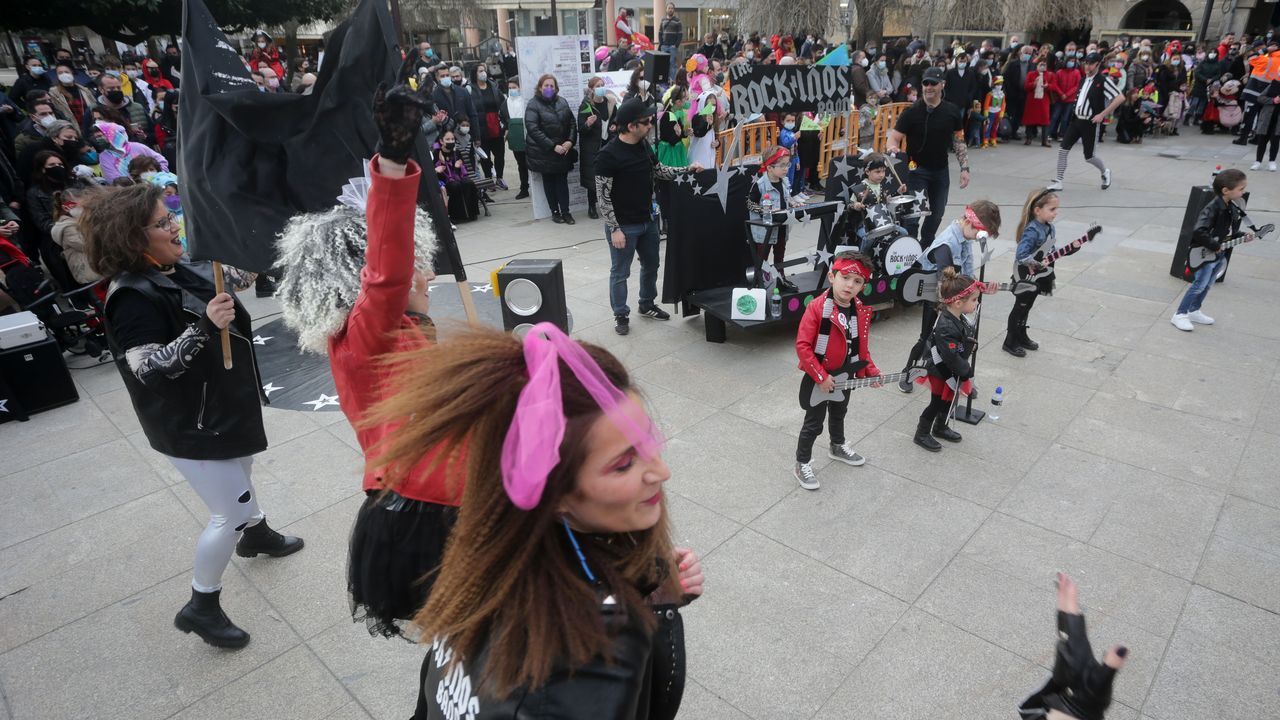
(822, 89)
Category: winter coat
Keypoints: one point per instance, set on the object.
(837, 346)
(270, 56)
(1068, 81)
(1206, 73)
(951, 345)
(115, 161)
(1267, 108)
(548, 123)
(1035, 110)
(590, 139)
(204, 412)
(456, 101)
(491, 109)
(378, 326)
(1217, 222)
(66, 235)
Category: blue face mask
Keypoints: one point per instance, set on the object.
(446, 81)
(513, 93)
(789, 126)
(599, 91)
(89, 157)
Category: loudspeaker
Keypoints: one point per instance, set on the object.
(1200, 196)
(657, 68)
(532, 291)
(37, 379)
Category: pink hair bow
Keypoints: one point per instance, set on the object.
(531, 449)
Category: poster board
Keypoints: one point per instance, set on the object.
(820, 89)
(570, 59)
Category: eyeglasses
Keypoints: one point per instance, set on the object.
(930, 83)
(170, 220)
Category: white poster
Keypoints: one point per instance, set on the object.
(569, 58)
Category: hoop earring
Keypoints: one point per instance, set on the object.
(573, 539)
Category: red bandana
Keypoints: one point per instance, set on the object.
(782, 152)
(843, 266)
(972, 217)
(975, 286)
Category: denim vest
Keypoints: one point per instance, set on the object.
(769, 199)
(961, 253)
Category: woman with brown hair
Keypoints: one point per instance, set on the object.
(163, 319)
(560, 587)
(551, 136)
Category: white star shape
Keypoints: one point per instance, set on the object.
(322, 402)
(769, 275)
(843, 166)
(864, 152)
(487, 287)
(720, 188)
(922, 199)
(4, 405)
(259, 340)
(269, 388)
(824, 257)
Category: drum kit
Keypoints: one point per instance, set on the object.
(893, 250)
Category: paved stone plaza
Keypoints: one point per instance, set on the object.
(1140, 459)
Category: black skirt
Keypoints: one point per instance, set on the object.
(397, 545)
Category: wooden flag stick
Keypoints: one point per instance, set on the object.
(225, 333)
(468, 305)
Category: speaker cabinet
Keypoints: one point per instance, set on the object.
(35, 379)
(657, 68)
(532, 291)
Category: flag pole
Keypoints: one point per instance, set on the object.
(219, 287)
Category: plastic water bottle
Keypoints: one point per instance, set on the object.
(996, 401)
(775, 304)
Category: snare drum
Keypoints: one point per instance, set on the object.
(880, 222)
(913, 209)
(895, 256)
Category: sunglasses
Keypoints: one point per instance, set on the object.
(644, 121)
(930, 83)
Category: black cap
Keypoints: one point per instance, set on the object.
(633, 109)
(1093, 58)
(933, 74)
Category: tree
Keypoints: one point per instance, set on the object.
(1017, 15)
(133, 21)
(784, 16)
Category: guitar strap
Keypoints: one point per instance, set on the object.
(824, 329)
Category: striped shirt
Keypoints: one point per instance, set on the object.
(1096, 93)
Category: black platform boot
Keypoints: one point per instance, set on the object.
(1025, 341)
(203, 616)
(924, 439)
(1013, 334)
(592, 212)
(940, 430)
(260, 539)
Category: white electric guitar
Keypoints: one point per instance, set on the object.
(1198, 256)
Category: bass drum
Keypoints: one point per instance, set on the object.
(895, 255)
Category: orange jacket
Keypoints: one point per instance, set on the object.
(1266, 67)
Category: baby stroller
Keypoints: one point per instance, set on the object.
(73, 314)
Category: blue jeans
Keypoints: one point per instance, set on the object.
(1200, 286)
(675, 52)
(937, 185)
(1059, 117)
(642, 240)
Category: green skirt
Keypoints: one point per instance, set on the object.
(676, 155)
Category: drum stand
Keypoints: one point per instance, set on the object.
(968, 413)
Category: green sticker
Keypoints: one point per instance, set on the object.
(866, 289)
(808, 299)
(893, 284)
(747, 305)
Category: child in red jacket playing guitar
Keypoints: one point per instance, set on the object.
(831, 324)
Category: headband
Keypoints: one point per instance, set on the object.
(531, 449)
(782, 152)
(972, 217)
(975, 286)
(843, 265)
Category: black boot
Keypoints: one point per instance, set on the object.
(262, 540)
(1026, 342)
(592, 212)
(264, 286)
(940, 430)
(1013, 334)
(203, 616)
(924, 439)
(1013, 347)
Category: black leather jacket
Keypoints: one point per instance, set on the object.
(645, 680)
(1217, 222)
(951, 346)
(189, 406)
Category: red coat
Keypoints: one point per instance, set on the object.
(1036, 111)
(373, 329)
(270, 56)
(1068, 82)
(837, 346)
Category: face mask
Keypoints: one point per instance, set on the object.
(464, 131)
(57, 173)
(75, 211)
(273, 83)
(100, 144)
(1014, 44)
(448, 146)
(446, 81)
(135, 74)
(262, 46)
(457, 81)
(173, 202)
(1213, 56)
(719, 78)
(114, 73)
(1144, 58)
(863, 62)
(789, 126)
(548, 92)
(1175, 62)
(871, 51)
(115, 97)
(48, 120)
(1071, 63)
(644, 85)
(66, 78)
(750, 54)
(882, 64)
(89, 157)
(513, 93)
(599, 91)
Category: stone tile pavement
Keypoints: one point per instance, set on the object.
(1140, 459)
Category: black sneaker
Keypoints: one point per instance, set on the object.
(264, 286)
(557, 218)
(523, 194)
(621, 324)
(568, 219)
(906, 386)
(655, 312)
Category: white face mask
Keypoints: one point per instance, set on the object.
(48, 120)
(262, 46)
(272, 82)
(75, 211)
(135, 74)
(644, 86)
(464, 131)
(482, 76)
(66, 78)
(863, 62)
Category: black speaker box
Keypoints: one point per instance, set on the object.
(1200, 196)
(657, 68)
(35, 379)
(532, 291)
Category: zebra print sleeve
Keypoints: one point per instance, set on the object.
(152, 363)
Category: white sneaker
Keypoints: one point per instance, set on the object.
(1182, 322)
(807, 477)
(1271, 166)
(1106, 179)
(1199, 318)
(1055, 185)
(1256, 166)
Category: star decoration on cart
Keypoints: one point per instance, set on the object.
(768, 276)
(922, 200)
(269, 388)
(879, 216)
(843, 166)
(720, 188)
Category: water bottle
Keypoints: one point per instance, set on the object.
(775, 304)
(996, 401)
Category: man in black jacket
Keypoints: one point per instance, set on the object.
(670, 35)
(961, 85)
(1015, 77)
(453, 99)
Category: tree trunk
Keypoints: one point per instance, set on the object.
(870, 22)
(290, 54)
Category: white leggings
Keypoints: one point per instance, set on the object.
(226, 490)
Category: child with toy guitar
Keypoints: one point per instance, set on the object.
(1033, 262)
(833, 335)
(1217, 223)
(949, 357)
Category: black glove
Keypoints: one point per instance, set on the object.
(398, 115)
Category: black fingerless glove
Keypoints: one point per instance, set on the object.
(398, 115)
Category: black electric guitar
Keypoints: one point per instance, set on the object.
(1043, 266)
(918, 285)
(1198, 256)
(811, 395)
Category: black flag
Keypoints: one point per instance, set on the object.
(248, 161)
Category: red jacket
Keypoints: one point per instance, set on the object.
(1068, 81)
(270, 56)
(837, 346)
(374, 326)
(1035, 112)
